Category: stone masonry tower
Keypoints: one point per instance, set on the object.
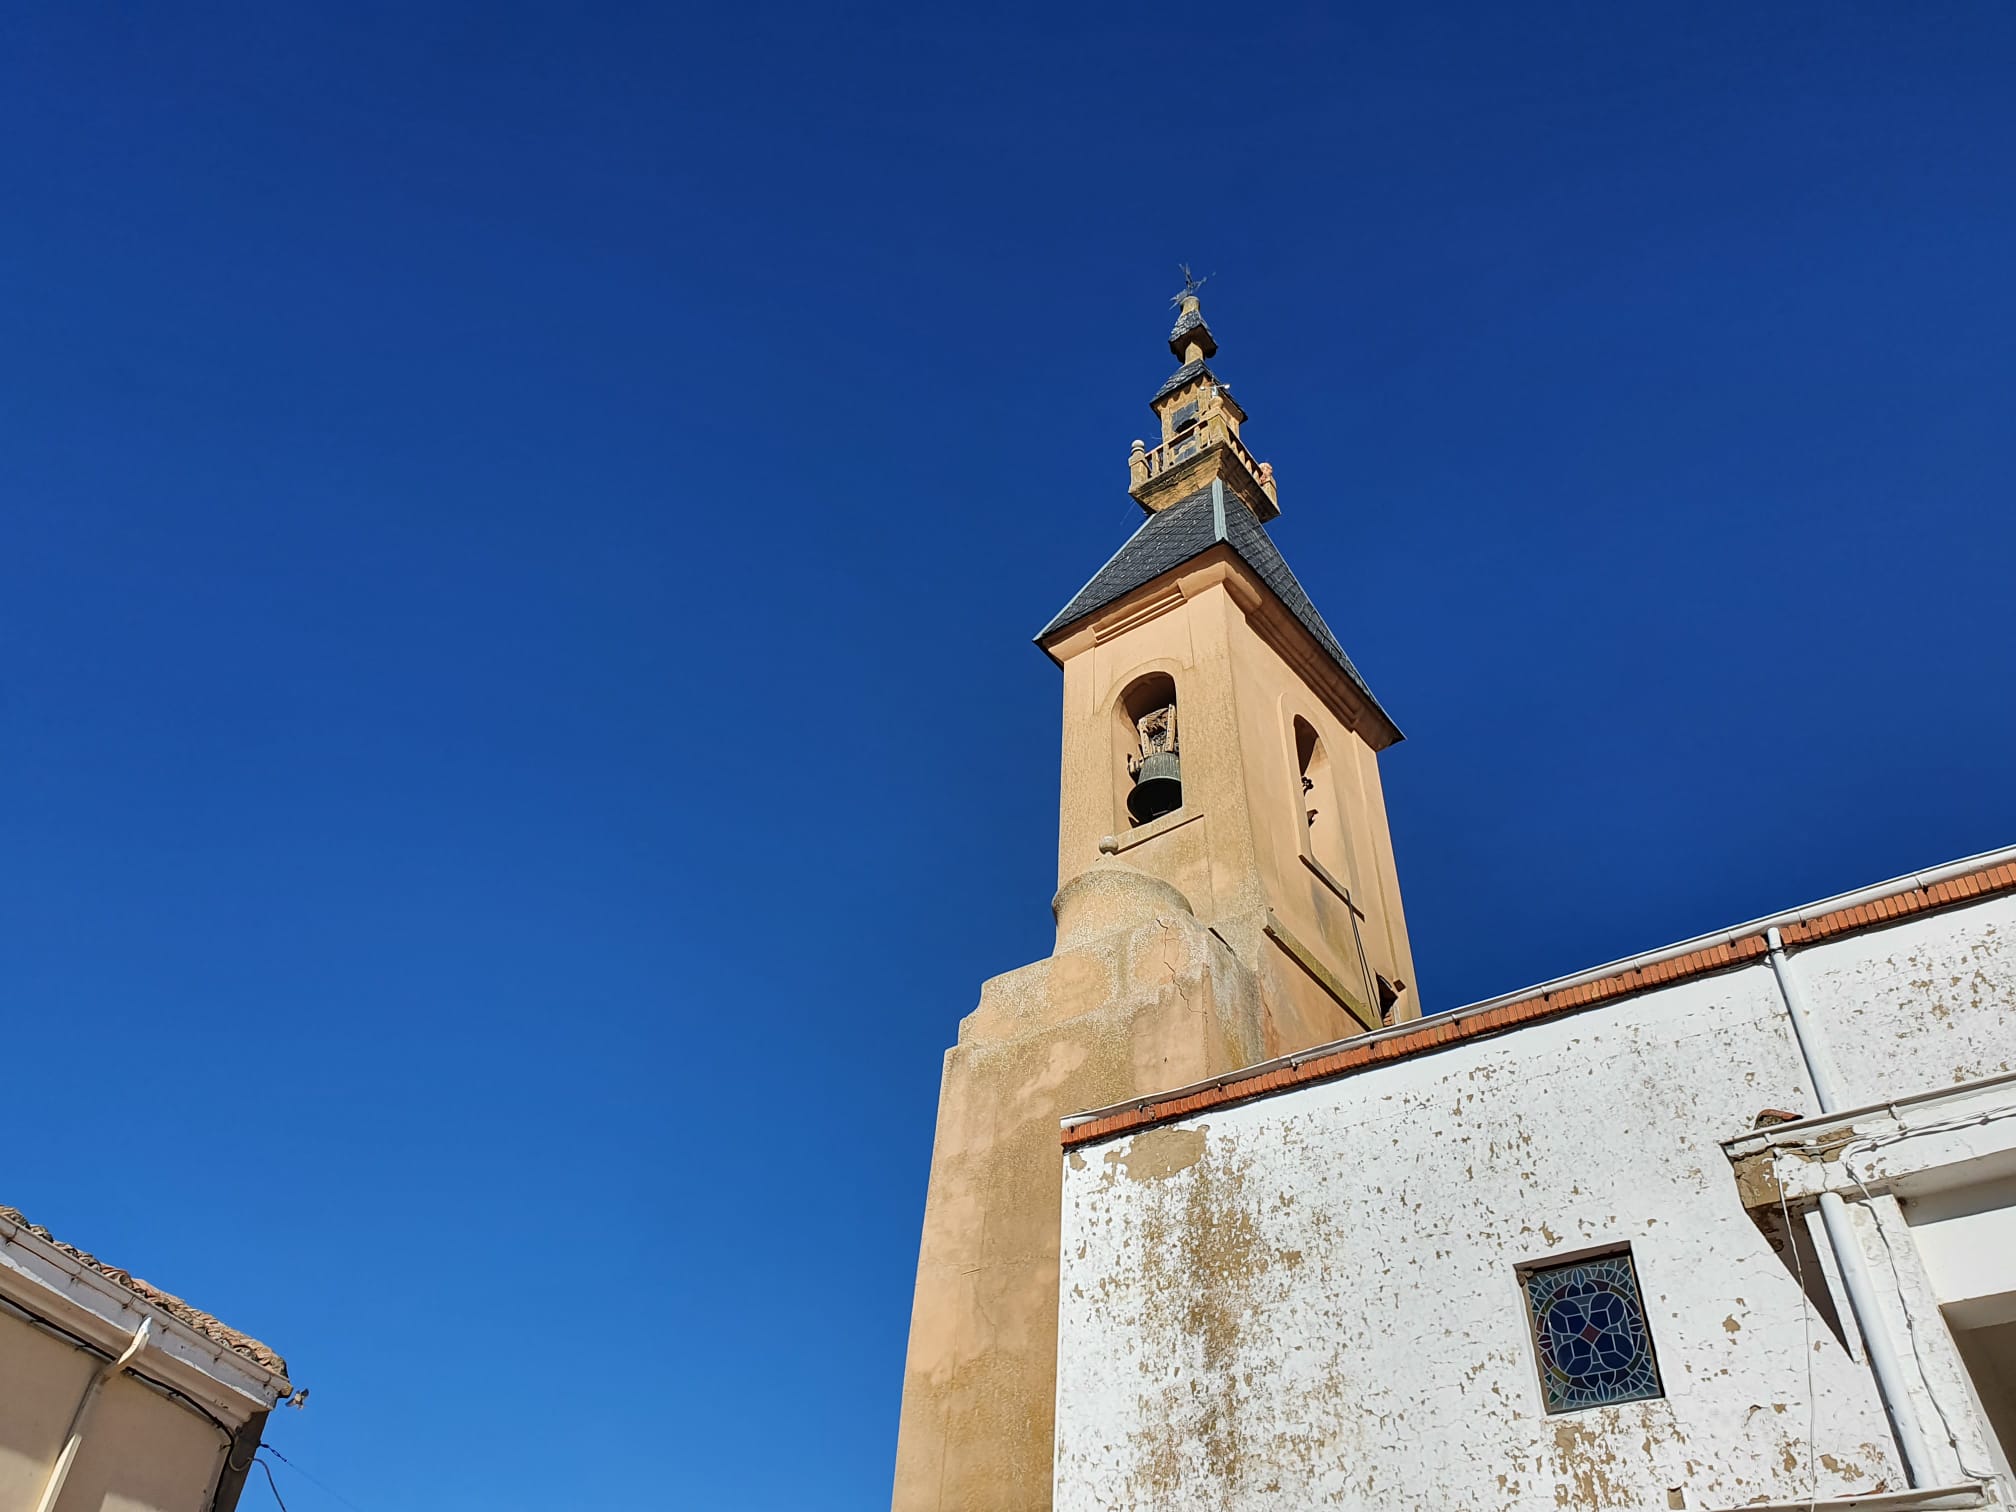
(1226, 894)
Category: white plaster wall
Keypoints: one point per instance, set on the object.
(1311, 1300)
(1920, 1004)
(1968, 1249)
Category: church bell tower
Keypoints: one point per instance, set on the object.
(1226, 894)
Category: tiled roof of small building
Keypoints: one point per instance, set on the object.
(1189, 528)
(191, 1317)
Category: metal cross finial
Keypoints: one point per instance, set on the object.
(1191, 284)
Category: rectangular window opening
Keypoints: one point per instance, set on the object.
(1590, 1337)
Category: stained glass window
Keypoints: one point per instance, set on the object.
(1589, 1331)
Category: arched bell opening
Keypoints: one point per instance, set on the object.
(1322, 817)
(1149, 768)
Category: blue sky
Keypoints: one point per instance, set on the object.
(523, 531)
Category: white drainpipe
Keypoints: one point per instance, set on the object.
(1884, 1361)
(74, 1440)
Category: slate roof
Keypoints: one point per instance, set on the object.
(1189, 528)
(1183, 375)
(1187, 322)
(209, 1327)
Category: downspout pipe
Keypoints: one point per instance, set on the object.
(73, 1441)
(1884, 1361)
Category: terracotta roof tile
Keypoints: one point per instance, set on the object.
(195, 1318)
(1432, 1033)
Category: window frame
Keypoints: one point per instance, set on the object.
(1522, 1275)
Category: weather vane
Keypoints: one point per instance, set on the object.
(1191, 284)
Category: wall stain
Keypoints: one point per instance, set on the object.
(1584, 1462)
(1261, 1286)
(1160, 1153)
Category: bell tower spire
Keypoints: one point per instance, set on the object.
(1226, 893)
(1200, 423)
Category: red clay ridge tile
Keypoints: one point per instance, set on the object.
(1429, 1034)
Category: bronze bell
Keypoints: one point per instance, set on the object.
(1158, 787)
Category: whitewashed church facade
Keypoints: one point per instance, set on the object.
(1729, 1224)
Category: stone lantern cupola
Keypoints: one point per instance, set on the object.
(1200, 426)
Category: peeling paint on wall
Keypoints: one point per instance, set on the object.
(1160, 1153)
(1312, 1301)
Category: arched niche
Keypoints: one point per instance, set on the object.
(1147, 765)
(1326, 836)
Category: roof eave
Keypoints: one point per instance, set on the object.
(71, 1282)
(1189, 373)
(1957, 884)
(1384, 732)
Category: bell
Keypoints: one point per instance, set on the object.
(1158, 787)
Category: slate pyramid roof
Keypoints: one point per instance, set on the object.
(1190, 328)
(1183, 375)
(1189, 528)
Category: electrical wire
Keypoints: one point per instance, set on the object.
(1874, 1142)
(79, 1342)
(322, 1486)
(1806, 1321)
(269, 1482)
(84, 1346)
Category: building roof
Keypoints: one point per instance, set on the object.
(1190, 327)
(1187, 529)
(1185, 374)
(1953, 885)
(190, 1317)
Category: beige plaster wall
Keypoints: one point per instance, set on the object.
(1389, 919)
(141, 1451)
(1270, 696)
(1237, 698)
(1139, 994)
